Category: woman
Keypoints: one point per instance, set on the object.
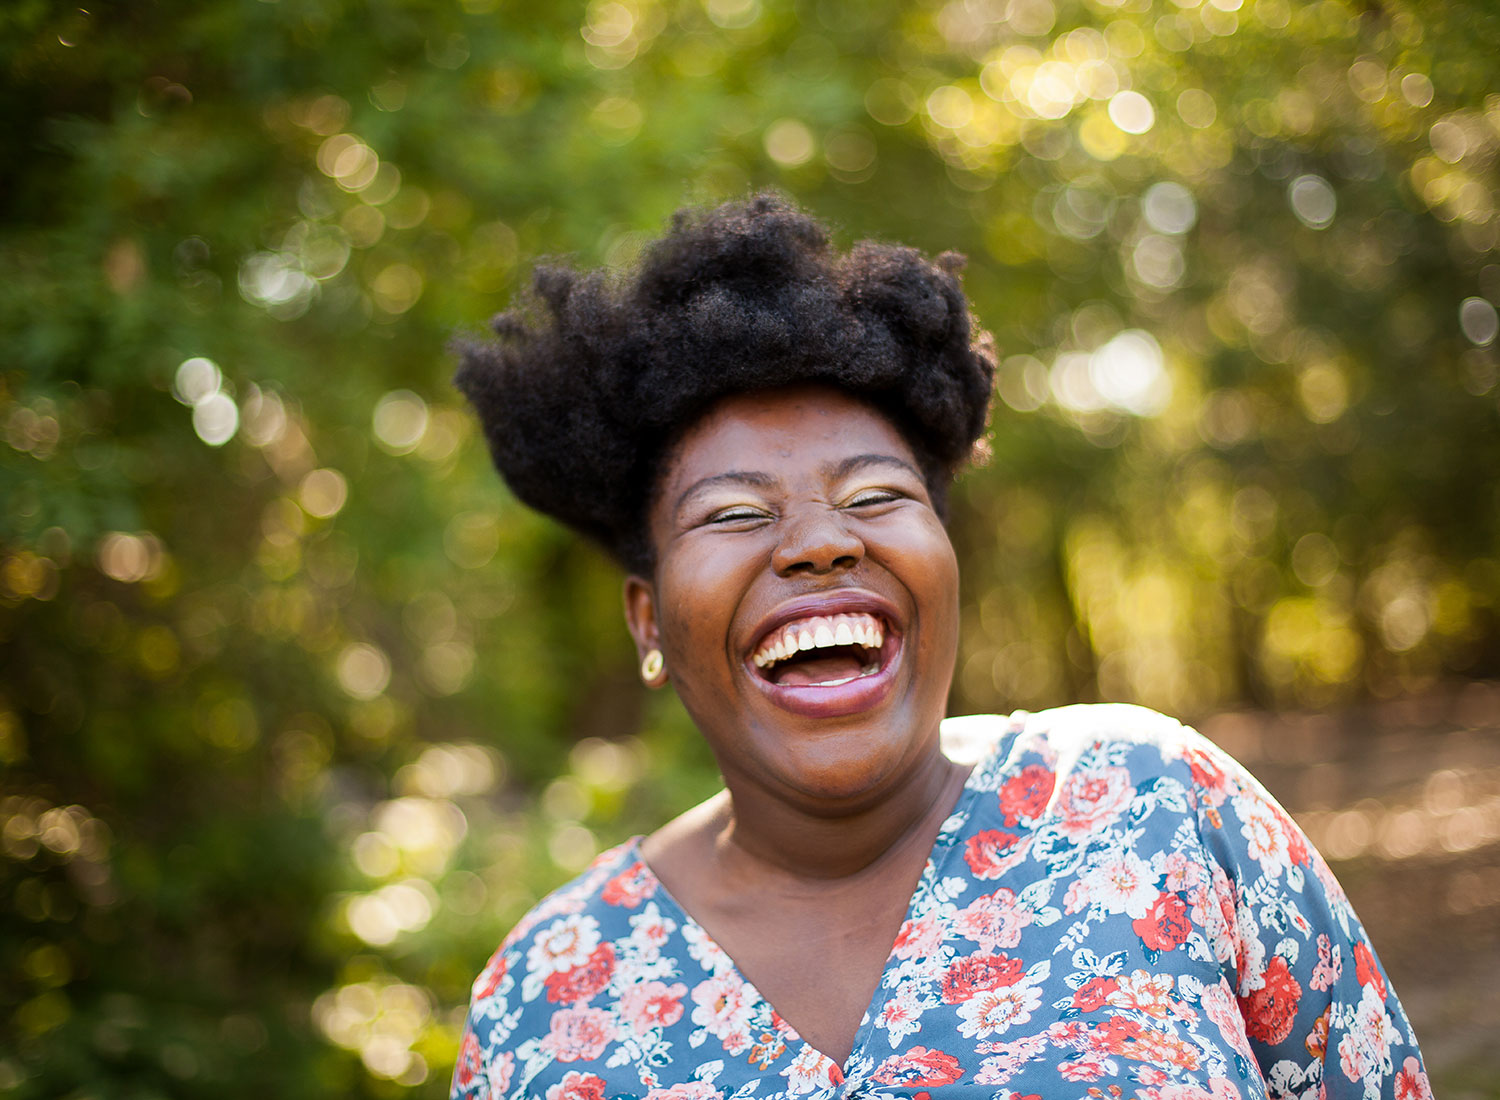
(1092, 901)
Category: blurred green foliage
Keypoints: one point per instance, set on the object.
(299, 710)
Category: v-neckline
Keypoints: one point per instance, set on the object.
(930, 873)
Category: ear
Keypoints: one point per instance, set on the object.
(640, 617)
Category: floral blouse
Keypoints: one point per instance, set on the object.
(1114, 909)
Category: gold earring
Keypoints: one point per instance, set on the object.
(652, 665)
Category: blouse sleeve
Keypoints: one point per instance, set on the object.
(1319, 1011)
(483, 1072)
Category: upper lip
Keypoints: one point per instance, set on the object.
(840, 601)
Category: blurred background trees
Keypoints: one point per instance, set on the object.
(299, 710)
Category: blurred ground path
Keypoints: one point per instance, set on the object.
(1404, 799)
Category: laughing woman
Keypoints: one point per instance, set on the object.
(1086, 902)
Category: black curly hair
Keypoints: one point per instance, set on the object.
(595, 378)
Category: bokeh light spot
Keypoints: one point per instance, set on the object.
(1132, 112)
(364, 670)
(789, 143)
(1478, 319)
(400, 421)
(1312, 200)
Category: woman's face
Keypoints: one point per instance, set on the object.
(805, 595)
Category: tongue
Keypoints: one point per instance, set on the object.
(817, 670)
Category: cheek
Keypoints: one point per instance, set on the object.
(698, 595)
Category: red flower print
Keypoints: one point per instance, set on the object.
(1094, 994)
(1411, 1082)
(577, 1086)
(470, 1063)
(579, 1034)
(919, 1066)
(979, 973)
(984, 853)
(491, 976)
(630, 887)
(582, 982)
(1025, 795)
(1270, 1010)
(1165, 925)
(1367, 970)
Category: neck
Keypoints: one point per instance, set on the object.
(812, 844)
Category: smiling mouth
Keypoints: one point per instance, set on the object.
(822, 650)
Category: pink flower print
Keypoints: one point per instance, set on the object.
(1219, 1005)
(1008, 1058)
(1330, 964)
(724, 1009)
(577, 1086)
(1092, 799)
(1181, 873)
(1411, 1082)
(918, 938)
(1122, 882)
(810, 1071)
(994, 1011)
(651, 1004)
(1086, 1067)
(579, 1034)
(686, 1090)
(564, 944)
(497, 1075)
(919, 1067)
(994, 920)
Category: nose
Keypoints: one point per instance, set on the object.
(816, 540)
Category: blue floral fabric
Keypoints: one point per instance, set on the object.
(1114, 909)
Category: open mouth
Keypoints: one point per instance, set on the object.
(822, 650)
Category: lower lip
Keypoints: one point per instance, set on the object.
(834, 700)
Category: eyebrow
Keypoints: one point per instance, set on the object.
(755, 479)
(733, 477)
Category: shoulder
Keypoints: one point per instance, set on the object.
(1063, 735)
(564, 929)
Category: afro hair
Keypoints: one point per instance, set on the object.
(595, 377)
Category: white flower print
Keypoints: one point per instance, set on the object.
(724, 1008)
(994, 1011)
(810, 1071)
(1265, 839)
(1122, 882)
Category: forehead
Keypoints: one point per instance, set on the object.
(775, 428)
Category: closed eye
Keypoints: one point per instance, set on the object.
(740, 513)
(866, 497)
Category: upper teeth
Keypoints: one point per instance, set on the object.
(819, 632)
